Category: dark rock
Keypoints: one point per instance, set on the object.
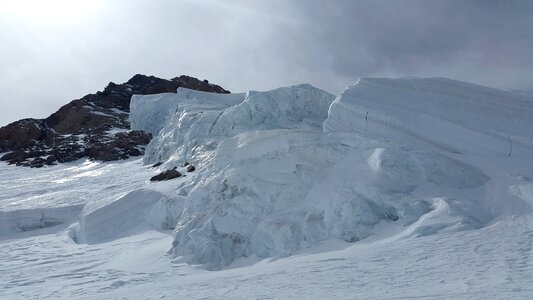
(120, 146)
(21, 134)
(157, 164)
(70, 118)
(17, 155)
(199, 85)
(167, 175)
(80, 128)
(186, 164)
(191, 168)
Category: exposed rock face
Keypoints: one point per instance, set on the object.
(157, 164)
(95, 126)
(167, 175)
(21, 134)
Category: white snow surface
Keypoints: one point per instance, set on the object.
(295, 195)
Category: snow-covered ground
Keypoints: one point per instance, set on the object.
(406, 188)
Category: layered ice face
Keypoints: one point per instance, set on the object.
(285, 169)
(191, 124)
(455, 116)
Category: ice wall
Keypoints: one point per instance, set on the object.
(282, 170)
(201, 120)
(457, 116)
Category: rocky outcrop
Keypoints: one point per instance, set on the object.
(166, 175)
(95, 127)
(20, 134)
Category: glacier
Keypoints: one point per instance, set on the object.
(456, 116)
(409, 187)
(195, 122)
(284, 170)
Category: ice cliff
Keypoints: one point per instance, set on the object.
(285, 169)
(456, 116)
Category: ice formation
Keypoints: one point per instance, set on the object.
(456, 116)
(413, 187)
(285, 169)
(201, 120)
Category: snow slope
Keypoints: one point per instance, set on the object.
(295, 195)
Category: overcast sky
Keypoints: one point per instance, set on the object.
(55, 51)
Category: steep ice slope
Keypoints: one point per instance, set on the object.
(201, 120)
(457, 116)
(271, 181)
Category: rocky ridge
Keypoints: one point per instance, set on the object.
(96, 126)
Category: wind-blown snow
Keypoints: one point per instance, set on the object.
(397, 188)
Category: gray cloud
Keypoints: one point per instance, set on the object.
(244, 44)
(471, 40)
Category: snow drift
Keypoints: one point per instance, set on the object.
(20, 220)
(285, 169)
(131, 213)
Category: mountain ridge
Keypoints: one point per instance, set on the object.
(95, 126)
